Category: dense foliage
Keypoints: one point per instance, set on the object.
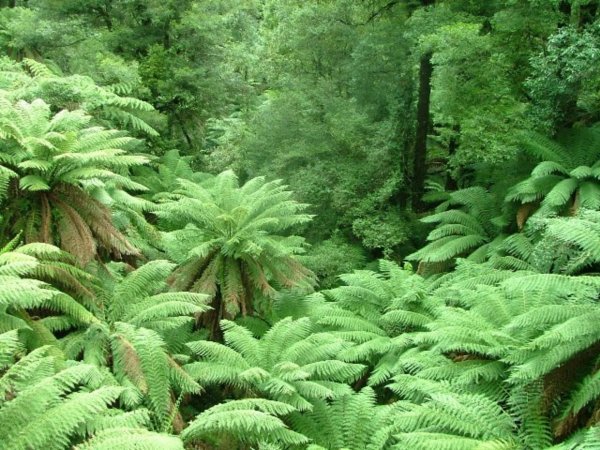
(285, 224)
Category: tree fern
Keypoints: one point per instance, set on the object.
(109, 105)
(230, 244)
(162, 175)
(351, 421)
(45, 407)
(466, 226)
(289, 364)
(580, 240)
(60, 167)
(528, 329)
(379, 312)
(567, 178)
(23, 291)
(456, 421)
(139, 327)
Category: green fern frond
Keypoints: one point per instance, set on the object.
(587, 391)
(245, 421)
(128, 438)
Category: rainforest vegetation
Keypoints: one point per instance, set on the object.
(299, 224)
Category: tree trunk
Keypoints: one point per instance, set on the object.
(212, 318)
(186, 135)
(451, 184)
(420, 154)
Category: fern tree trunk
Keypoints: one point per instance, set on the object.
(420, 153)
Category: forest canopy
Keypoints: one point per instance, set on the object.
(299, 224)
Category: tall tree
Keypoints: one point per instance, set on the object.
(423, 117)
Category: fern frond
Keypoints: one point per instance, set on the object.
(127, 438)
(245, 421)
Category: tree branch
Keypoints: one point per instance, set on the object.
(387, 7)
(381, 10)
